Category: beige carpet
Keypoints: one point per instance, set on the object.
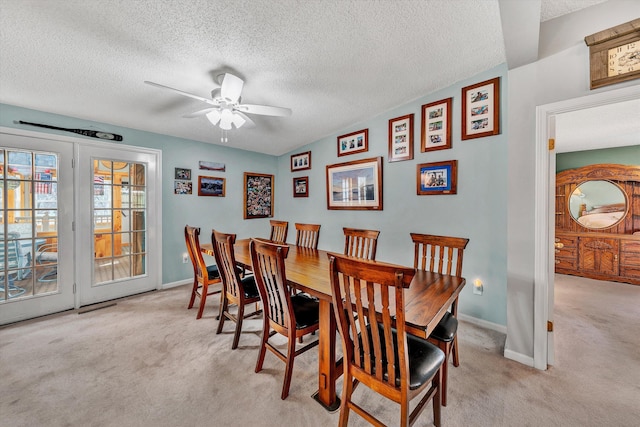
(147, 361)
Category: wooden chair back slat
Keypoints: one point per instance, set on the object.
(278, 231)
(307, 235)
(360, 243)
(225, 259)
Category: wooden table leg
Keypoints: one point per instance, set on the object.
(327, 369)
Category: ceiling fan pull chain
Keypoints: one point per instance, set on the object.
(223, 136)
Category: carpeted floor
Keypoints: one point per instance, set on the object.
(147, 361)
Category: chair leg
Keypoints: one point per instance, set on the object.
(240, 318)
(288, 371)
(437, 382)
(347, 390)
(456, 359)
(224, 304)
(263, 344)
(194, 292)
(203, 300)
(446, 349)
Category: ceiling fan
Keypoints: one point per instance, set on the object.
(226, 110)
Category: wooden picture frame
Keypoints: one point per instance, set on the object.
(481, 109)
(182, 187)
(301, 161)
(183, 174)
(401, 138)
(258, 195)
(301, 186)
(435, 133)
(211, 186)
(355, 185)
(437, 178)
(212, 166)
(611, 52)
(354, 142)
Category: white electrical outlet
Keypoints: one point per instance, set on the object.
(185, 258)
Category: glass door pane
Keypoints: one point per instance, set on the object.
(29, 218)
(119, 212)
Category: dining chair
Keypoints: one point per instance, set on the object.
(236, 291)
(443, 255)
(307, 235)
(360, 243)
(368, 302)
(203, 275)
(279, 231)
(290, 315)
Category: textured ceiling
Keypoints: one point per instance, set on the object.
(333, 62)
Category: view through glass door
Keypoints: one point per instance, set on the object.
(36, 252)
(119, 222)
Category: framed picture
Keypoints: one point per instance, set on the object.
(301, 186)
(258, 195)
(184, 174)
(436, 126)
(182, 187)
(355, 185)
(301, 161)
(481, 109)
(437, 178)
(401, 138)
(211, 186)
(212, 166)
(355, 142)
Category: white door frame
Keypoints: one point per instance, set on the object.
(86, 293)
(156, 176)
(544, 200)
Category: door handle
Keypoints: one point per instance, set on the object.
(559, 245)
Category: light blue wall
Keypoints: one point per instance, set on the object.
(619, 155)
(478, 210)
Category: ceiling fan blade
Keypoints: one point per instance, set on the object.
(248, 123)
(231, 87)
(265, 110)
(199, 113)
(190, 95)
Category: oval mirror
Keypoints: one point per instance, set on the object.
(598, 204)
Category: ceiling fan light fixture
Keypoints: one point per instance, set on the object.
(226, 119)
(214, 116)
(238, 120)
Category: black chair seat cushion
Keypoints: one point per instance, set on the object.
(213, 272)
(424, 358)
(306, 309)
(446, 329)
(250, 287)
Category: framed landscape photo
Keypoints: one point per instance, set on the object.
(212, 166)
(184, 174)
(258, 195)
(182, 187)
(437, 178)
(355, 142)
(436, 126)
(355, 185)
(211, 186)
(301, 186)
(301, 161)
(401, 138)
(481, 109)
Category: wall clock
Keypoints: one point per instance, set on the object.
(614, 54)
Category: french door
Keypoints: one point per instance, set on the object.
(36, 237)
(118, 221)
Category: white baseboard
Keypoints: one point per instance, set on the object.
(518, 357)
(483, 323)
(174, 284)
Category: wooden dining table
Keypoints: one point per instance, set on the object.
(426, 301)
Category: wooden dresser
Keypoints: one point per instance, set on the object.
(611, 253)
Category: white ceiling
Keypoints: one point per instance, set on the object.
(335, 63)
